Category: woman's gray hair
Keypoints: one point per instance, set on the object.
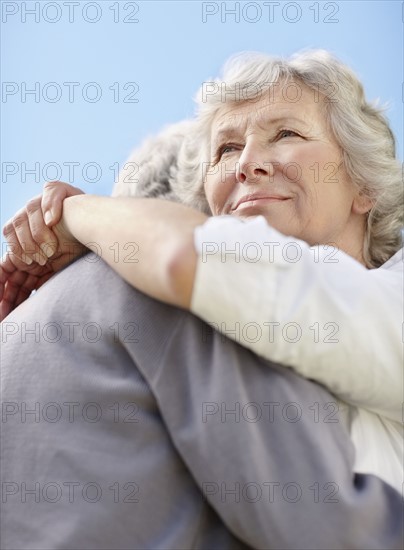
(359, 127)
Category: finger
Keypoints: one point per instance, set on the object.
(41, 234)
(19, 286)
(11, 291)
(25, 239)
(4, 310)
(14, 251)
(26, 289)
(54, 193)
(31, 283)
(6, 268)
(9, 272)
(16, 284)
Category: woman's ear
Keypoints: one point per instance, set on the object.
(362, 204)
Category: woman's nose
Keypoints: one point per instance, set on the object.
(254, 165)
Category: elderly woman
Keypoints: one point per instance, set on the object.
(302, 254)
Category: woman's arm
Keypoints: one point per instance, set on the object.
(315, 309)
(149, 242)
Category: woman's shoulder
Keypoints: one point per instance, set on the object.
(396, 262)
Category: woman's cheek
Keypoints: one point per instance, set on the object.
(218, 190)
(212, 192)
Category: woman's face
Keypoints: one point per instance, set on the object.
(276, 158)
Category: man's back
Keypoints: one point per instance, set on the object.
(94, 453)
(87, 461)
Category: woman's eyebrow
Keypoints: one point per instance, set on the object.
(265, 120)
(224, 133)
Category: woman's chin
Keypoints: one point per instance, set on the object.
(281, 221)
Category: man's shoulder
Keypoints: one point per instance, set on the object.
(85, 289)
(87, 275)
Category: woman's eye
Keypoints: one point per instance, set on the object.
(287, 133)
(226, 149)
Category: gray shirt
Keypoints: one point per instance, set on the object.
(125, 426)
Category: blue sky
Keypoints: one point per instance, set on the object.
(107, 74)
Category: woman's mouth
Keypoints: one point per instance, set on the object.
(256, 200)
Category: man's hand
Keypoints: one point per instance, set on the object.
(38, 245)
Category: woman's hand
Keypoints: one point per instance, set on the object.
(33, 234)
(38, 245)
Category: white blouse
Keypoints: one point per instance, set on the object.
(319, 311)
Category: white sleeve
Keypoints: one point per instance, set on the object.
(315, 309)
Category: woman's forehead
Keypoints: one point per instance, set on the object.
(237, 116)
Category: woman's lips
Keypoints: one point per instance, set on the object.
(248, 202)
